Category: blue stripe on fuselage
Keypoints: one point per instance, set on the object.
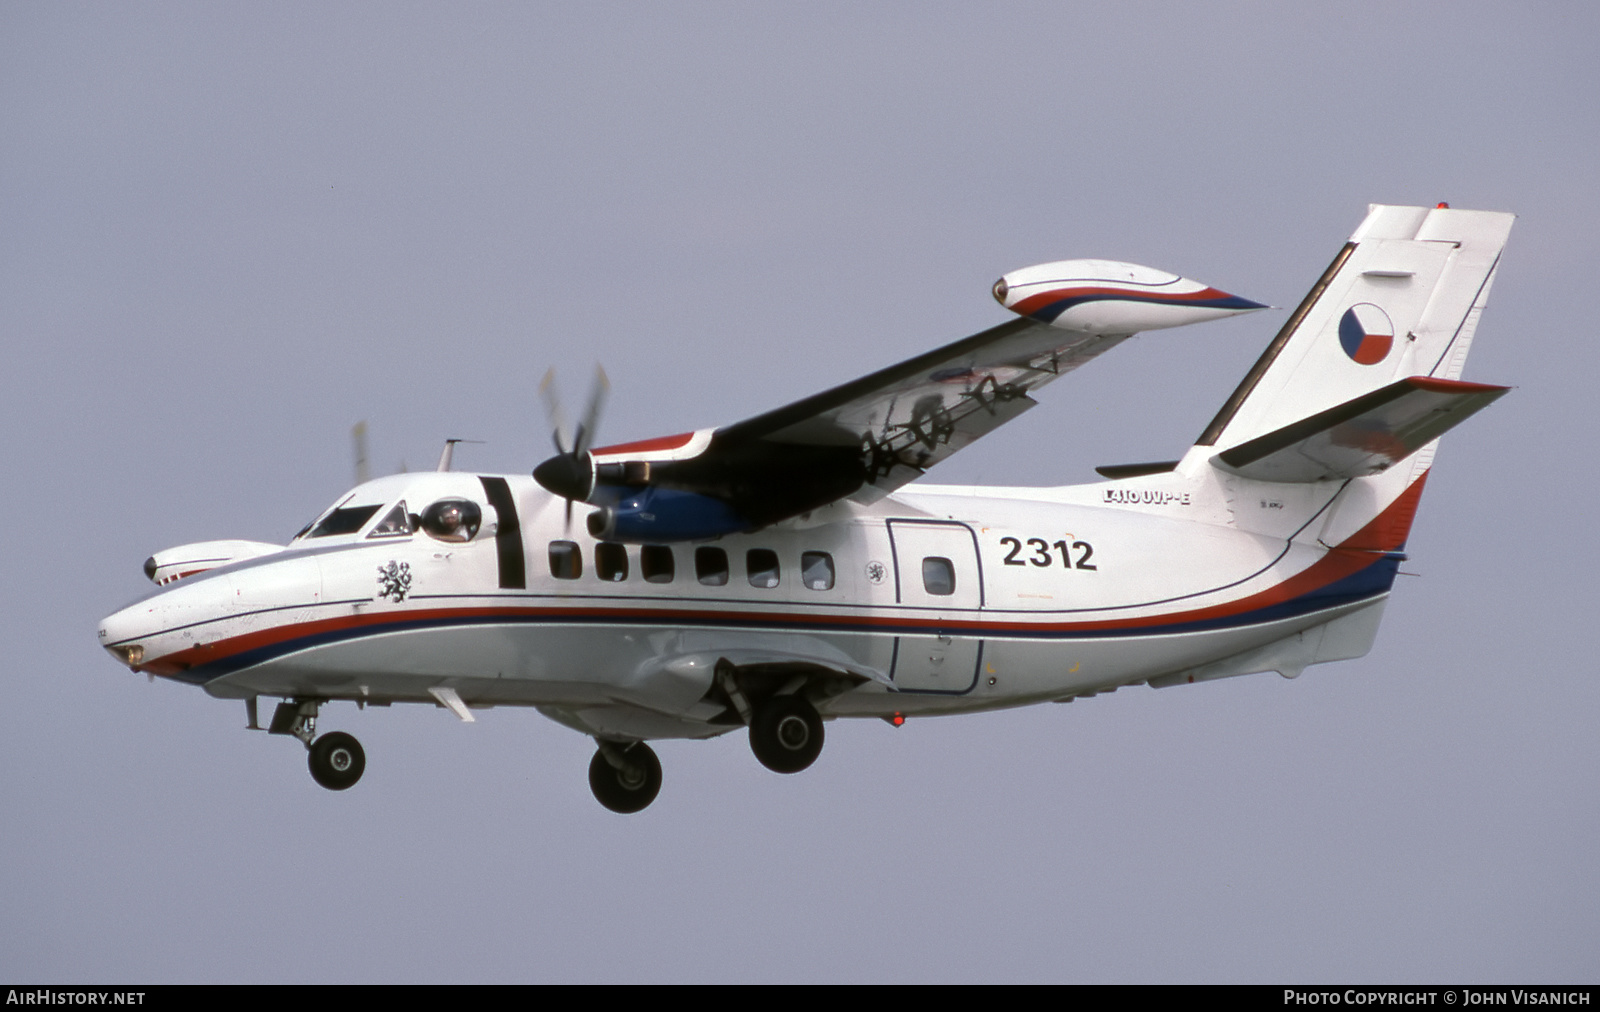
(1369, 582)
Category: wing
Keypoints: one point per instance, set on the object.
(866, 438)
(896, 423)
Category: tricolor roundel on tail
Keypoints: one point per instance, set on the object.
(1366, 333)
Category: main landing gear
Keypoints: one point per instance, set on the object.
(785, 729)
(786, 733)
(624, 778)
(336, 759)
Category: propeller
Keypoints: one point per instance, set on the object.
(571, 472)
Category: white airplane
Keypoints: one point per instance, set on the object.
(783, 571)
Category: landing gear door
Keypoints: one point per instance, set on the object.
(939, 585)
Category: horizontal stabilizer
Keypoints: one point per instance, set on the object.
(1363, 436)
(1116, 472)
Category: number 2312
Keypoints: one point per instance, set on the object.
(1042, 557)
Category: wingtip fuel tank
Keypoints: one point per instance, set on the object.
(1109, 297)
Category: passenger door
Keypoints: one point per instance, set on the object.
(937, 575)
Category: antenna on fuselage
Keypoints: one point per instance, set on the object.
(358, 436)
(450, 451)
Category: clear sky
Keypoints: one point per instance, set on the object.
(228, 232)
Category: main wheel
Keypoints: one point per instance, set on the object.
(337, 761)
(626, 790)
(786, 734)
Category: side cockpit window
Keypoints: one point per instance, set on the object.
(396, 523)
(453, 520)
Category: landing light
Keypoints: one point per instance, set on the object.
(131, 655)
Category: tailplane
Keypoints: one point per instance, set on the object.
(1373, 351)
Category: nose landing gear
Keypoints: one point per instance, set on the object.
(336, 759)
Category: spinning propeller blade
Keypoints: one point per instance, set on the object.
(553, 413)
(570, 473)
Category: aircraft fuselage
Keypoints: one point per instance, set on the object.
(935, 600)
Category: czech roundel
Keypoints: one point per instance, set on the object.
(1366, 333)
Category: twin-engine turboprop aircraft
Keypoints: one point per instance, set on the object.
(781, 571)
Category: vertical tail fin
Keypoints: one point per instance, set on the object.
(1402, 299)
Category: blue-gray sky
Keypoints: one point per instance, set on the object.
(228, 232)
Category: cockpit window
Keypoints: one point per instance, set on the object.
(396, 523)
(344, 520)
(452, 519)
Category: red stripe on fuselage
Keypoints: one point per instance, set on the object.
(1386, 532)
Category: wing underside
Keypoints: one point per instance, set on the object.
(902, 420)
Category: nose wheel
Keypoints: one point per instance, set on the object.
(625, 779)
(337, 760)
(786, 734)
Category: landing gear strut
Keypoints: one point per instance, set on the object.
(786, 733)
(336, 759)
(624, 778)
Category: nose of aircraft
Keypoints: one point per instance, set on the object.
(120, 631)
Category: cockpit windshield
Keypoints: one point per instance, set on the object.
(451, 518)
(344, 520)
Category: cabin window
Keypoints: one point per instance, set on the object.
(566, 561)
(611, 561)
(816, 570)
(938, 576)
(395, 523)
(763, 566)
(655, 563)
(711, 566)
(452, 520)
(344, 520)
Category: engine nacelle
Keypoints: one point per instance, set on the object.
(1107, 297)
(173, 564)
(662, 514)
